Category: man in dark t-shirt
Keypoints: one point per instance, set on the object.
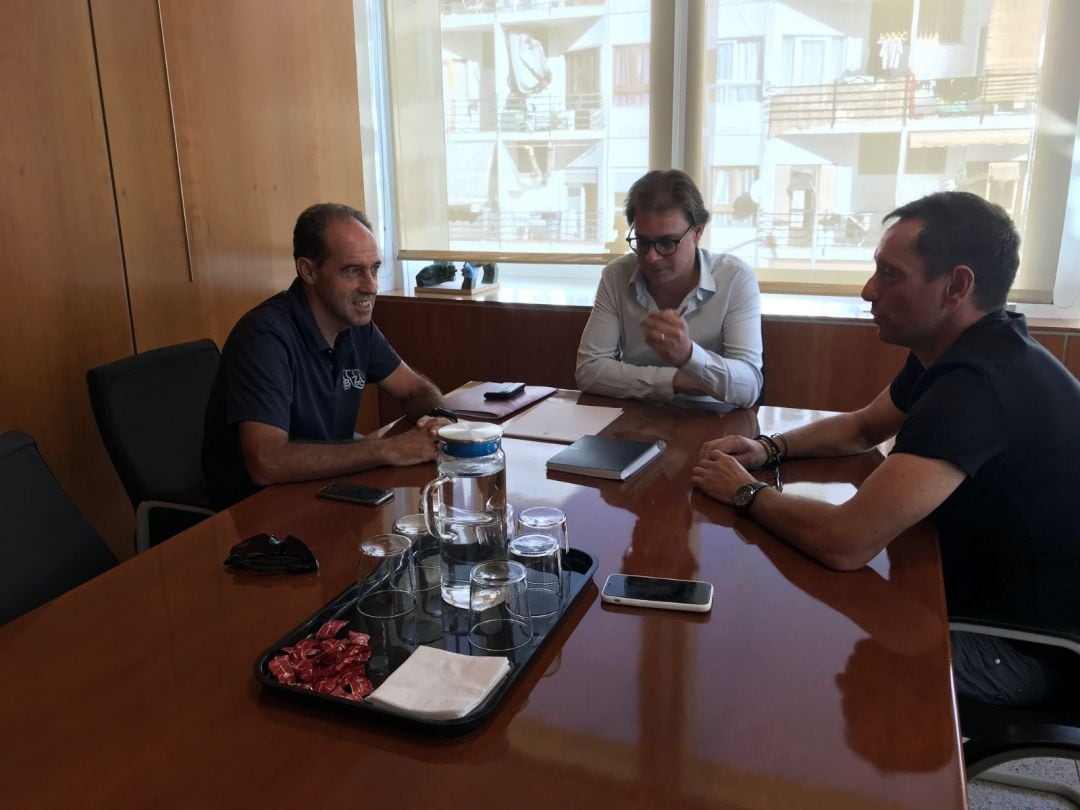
(986, 445)
(283, 406)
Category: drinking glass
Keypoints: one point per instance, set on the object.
(425, 554)
(386, 600)
(539, 555)
(425, 550)
(499, 619)
(545, 520)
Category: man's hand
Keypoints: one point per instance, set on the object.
(667, 334)
(418, 444)
(748, 452)
(719, 475)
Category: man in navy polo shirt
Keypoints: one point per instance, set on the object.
(283, 406)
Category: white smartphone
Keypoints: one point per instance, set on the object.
(654, 592)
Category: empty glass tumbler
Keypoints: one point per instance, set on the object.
(499, 619)
(386, 600)
(540, 555)
(545, 520)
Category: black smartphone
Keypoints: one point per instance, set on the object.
(355, 493)
(505, 390)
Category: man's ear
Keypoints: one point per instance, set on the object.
(305, 268)
(961, 286)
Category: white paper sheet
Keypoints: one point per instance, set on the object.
(559, 420)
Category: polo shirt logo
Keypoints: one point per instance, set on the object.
(353, 378)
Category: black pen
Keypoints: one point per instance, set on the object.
(445, 413)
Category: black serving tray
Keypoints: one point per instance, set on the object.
(578, 569)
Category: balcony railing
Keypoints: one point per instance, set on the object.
(577, 112)
(900, 100)
(540, 226)
(488, 6)
(829, 229)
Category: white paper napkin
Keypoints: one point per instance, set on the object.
(439, 685)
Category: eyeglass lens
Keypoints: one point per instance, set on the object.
(665, 245)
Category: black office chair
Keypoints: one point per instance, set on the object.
(997, 734)
(46, 545)
(150, 409)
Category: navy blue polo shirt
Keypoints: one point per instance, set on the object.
(276, 368)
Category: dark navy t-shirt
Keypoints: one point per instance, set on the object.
(1005, 411)
(276, 368)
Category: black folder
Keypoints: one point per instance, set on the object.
(605, 457)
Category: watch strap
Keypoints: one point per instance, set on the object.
(749, 492)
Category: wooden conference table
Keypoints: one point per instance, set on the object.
(804, 688)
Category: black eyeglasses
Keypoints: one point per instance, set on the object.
(665, 245)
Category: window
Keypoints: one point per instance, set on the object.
(857, 118)
(811, 59)
(731, 198)
(631, 75)
(737, 71)
(941, 20)
(817, 121)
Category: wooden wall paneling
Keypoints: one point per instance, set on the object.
(166, 305)
(827, 366)
(1053, 342)
(456, 341)
(64, 309)
(1072, 354)
(808, 364)
(264, 99)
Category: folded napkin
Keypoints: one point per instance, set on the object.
(435, 684)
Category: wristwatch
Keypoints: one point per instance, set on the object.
(744, 496)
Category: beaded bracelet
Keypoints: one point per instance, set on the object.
(777, 438)
(772, 450)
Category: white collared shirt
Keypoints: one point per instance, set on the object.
(723, 314)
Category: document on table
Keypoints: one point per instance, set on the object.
(559, 420)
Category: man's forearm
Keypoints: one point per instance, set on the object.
(614, 378)
(839, 435)
(810, 525)
(685, 384)
(725, 379)
(304, 461)
(422, 400)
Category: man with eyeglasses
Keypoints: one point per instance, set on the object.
(673, 322)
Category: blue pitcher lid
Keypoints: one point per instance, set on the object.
(470, 438)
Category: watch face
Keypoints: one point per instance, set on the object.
(744, 495)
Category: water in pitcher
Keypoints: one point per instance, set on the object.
(479, 537)
(468, 504)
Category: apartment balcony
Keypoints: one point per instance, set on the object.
(855, 105)
(494, 226)
(582, 112)
(491, 6)
(830, 229)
